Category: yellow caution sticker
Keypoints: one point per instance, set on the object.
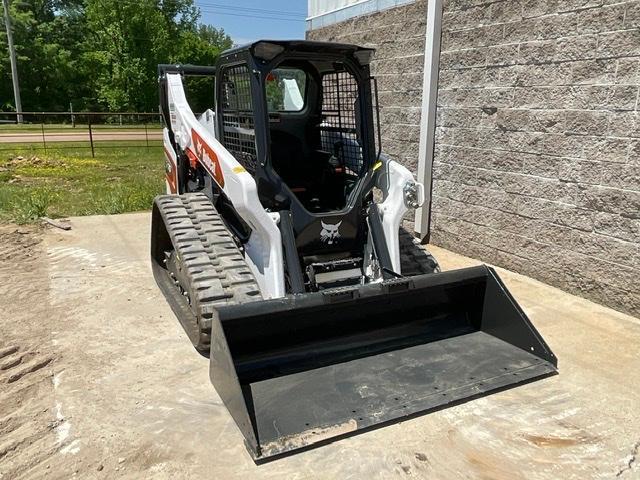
(377, 166)
(239, 169)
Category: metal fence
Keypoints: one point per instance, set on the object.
(78, 130)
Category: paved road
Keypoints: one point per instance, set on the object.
(98, 136)
(109, 386)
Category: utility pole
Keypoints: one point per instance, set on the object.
(14, 64)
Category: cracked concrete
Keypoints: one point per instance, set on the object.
(631, 462)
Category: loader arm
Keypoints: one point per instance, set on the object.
(400, 191)
(197, 143)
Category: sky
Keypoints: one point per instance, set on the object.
(248, 20)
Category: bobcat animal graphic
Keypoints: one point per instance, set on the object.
(330, 233)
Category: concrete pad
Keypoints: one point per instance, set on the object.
(132, 399)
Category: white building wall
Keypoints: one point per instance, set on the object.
(322, 13)
(320, 7)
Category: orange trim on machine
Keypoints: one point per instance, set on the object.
(172, 183)
(207, 158)
(193, 158)
(171, 176)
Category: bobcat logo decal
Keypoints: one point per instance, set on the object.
(330, 233)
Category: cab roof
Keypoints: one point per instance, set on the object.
(268, 49)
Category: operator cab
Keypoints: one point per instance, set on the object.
(318, 115)
(316, 145)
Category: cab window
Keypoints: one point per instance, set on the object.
(286, 89)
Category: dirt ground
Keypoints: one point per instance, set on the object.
(98, 380)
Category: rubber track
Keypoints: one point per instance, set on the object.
(414, 258)
(212, 263)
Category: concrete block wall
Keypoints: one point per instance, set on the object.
(537, 164)
(537, 161)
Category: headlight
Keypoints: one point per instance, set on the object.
(413, 194)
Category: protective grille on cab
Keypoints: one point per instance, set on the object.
(237, 115)
(339, 131)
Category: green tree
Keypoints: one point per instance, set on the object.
(48, 38)
(201, 47)
(131, 38)
(101, 54)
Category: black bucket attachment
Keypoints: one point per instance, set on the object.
(303, 369)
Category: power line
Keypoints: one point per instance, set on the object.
(259, 12)
(254, 12)
(251, 10)
(261, 17)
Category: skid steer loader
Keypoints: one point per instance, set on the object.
(279, 248)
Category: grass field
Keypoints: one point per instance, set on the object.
(10, 128)
(67, 181)
(36, 147)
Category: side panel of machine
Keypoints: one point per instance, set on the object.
(171, 164)
(398, 186)
(264, 249)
